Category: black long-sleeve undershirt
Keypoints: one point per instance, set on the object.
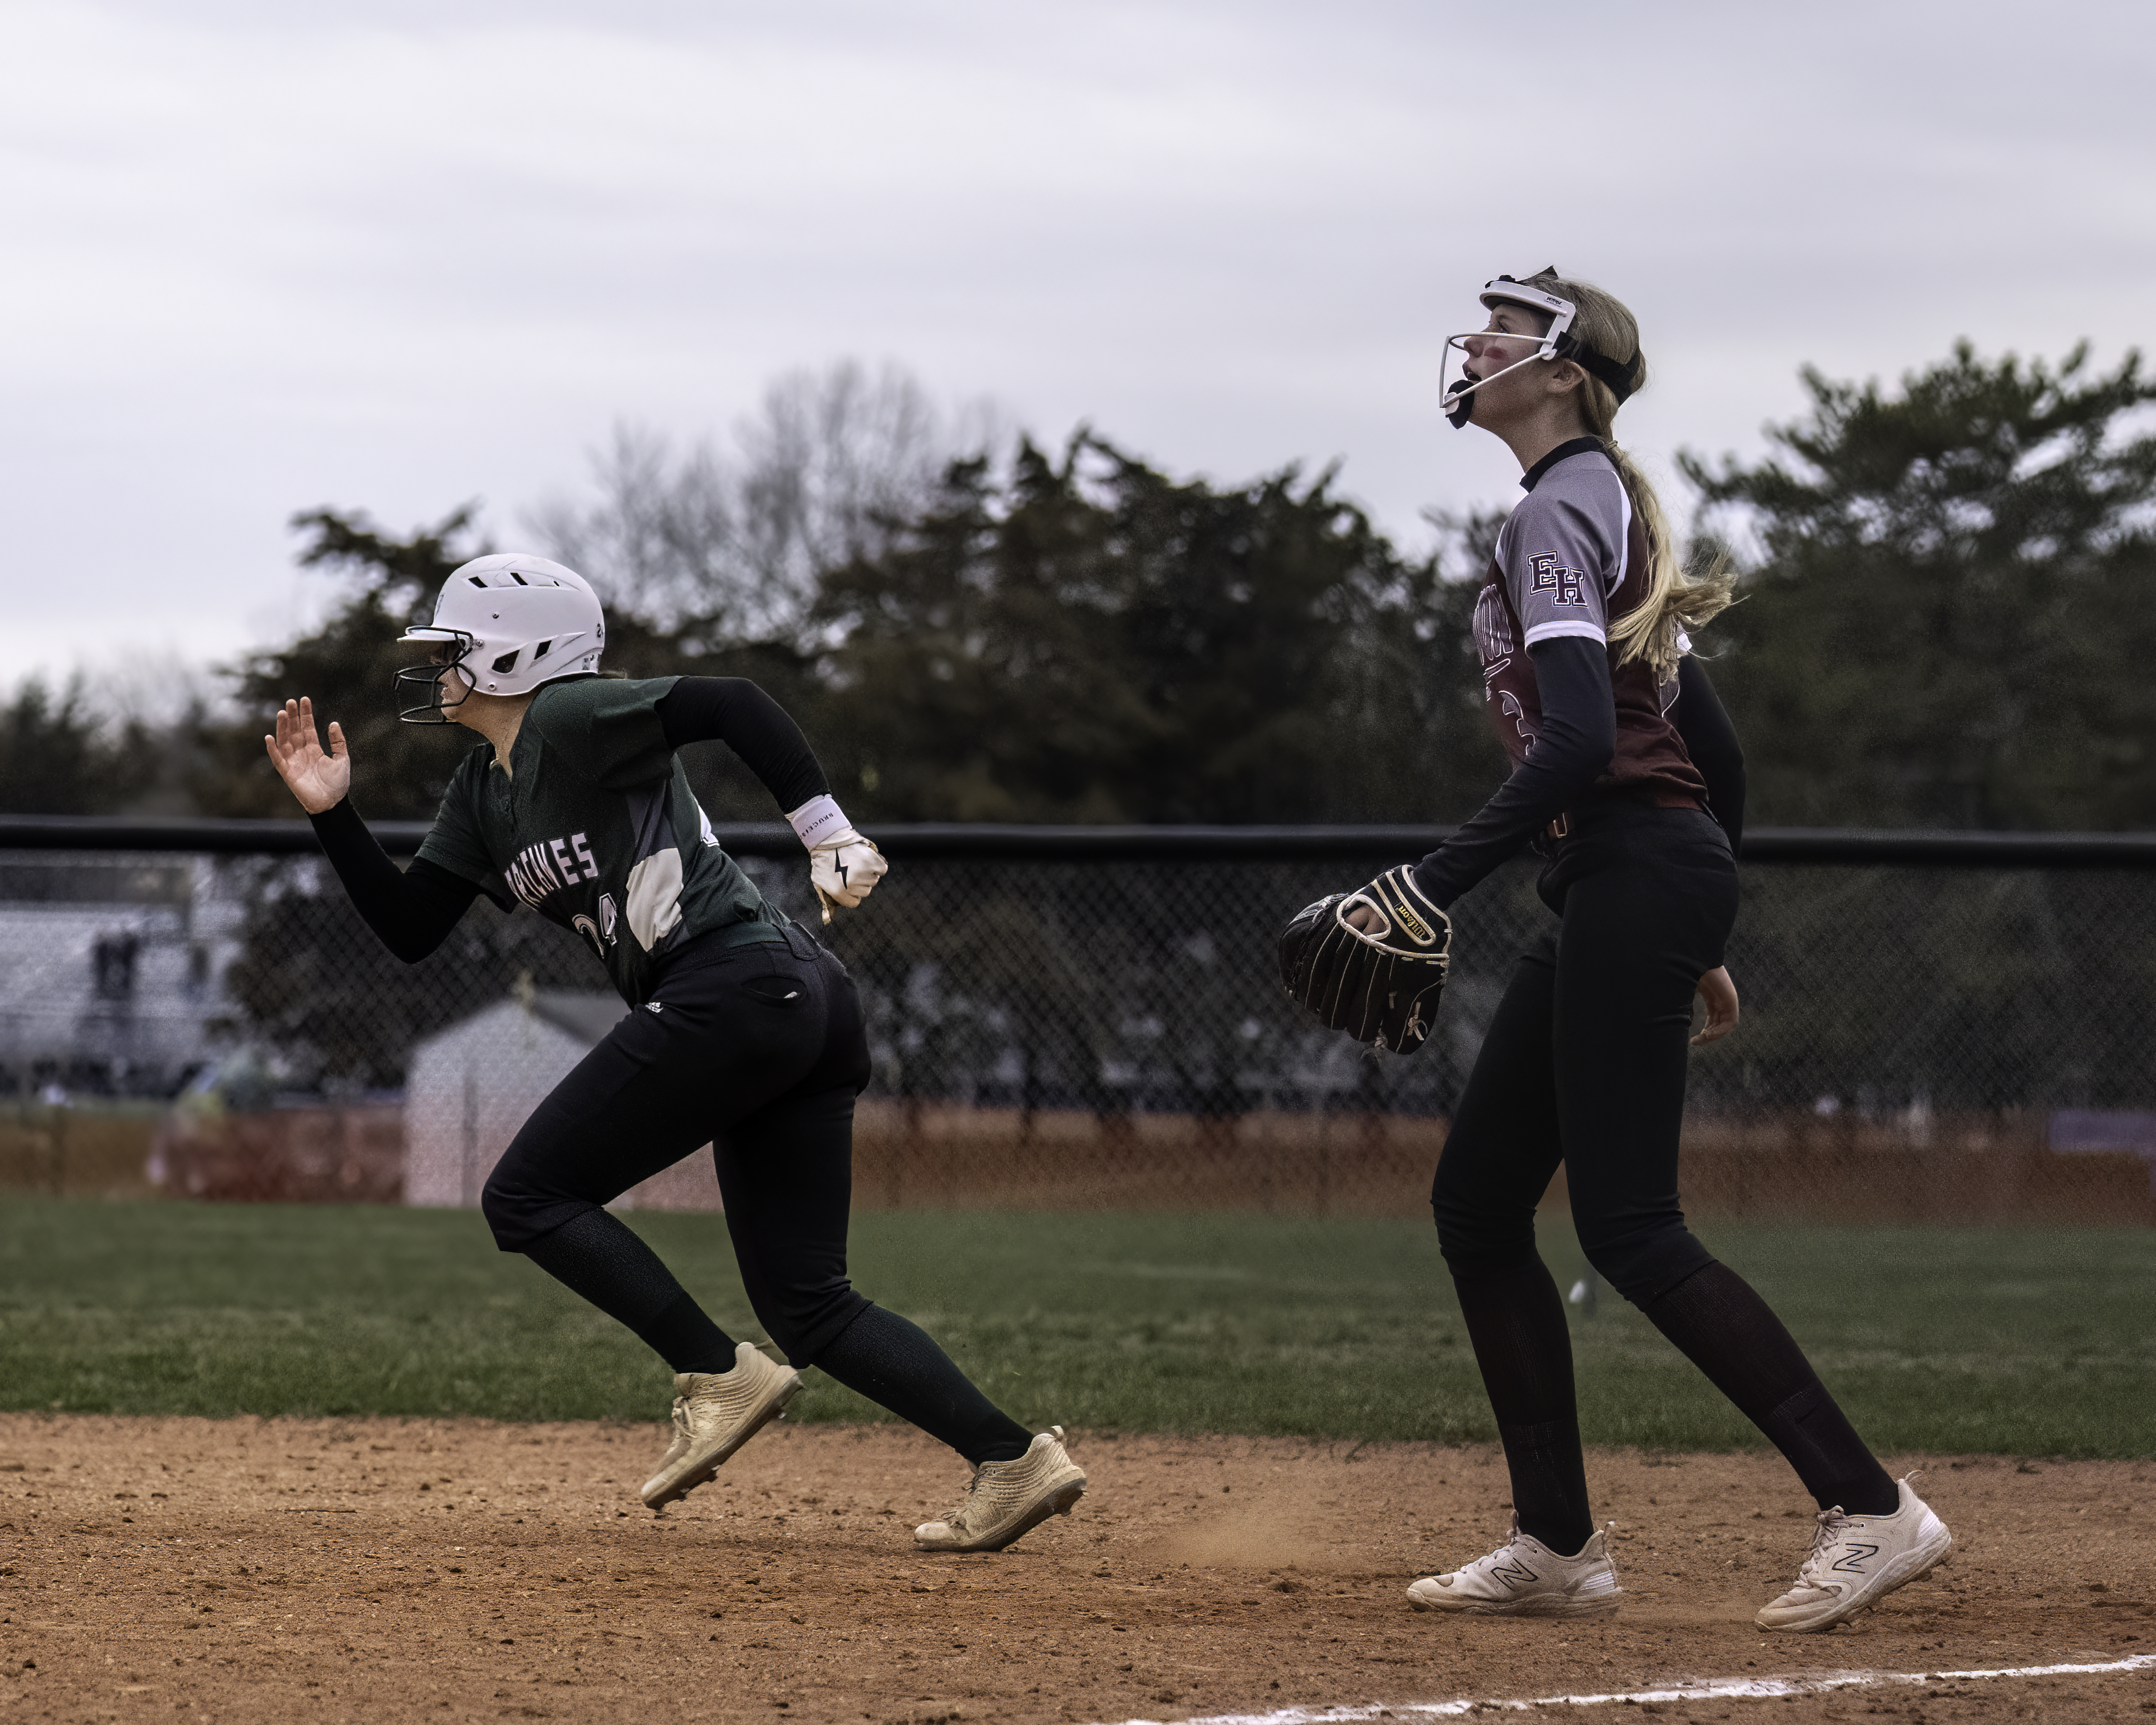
(1711, 740)
(1577, 737)
(737, 712)
(411, 911)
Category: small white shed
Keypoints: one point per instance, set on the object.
(468, 1089)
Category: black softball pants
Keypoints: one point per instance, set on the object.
(1585, 1063)
(759, 1051)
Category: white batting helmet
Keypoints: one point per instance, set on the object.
(508, 623)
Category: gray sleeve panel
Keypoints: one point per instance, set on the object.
(1563, 551)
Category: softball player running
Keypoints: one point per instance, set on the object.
(1626, 767)
(747, 1033)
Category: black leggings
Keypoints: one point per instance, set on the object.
(758, 1051)
(1585, 1063)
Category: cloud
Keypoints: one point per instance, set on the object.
(397, 255)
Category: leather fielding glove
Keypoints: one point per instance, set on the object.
(1381, 984)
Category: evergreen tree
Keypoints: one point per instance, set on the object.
(1954, 609)
(59, 756)
(1090, 640)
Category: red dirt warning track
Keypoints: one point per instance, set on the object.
(407, 1570)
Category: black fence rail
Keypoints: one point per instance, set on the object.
(989, 841)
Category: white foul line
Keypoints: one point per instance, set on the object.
(1718, 1689)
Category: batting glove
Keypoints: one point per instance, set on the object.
(843, 870)
(843, 866)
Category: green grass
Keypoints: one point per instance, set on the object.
(2019, 1341)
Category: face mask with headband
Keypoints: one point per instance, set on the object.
(1555, 343)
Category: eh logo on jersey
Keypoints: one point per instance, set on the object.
(1545, 574)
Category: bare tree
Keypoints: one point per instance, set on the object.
(730, 542)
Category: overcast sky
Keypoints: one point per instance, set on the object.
(391, 256)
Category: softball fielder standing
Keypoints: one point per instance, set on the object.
(747, 1033)
(1626, 768)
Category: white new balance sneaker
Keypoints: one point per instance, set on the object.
(1856, 1561)
(1004, 1499)
(714, 1413)
(1524, 1578)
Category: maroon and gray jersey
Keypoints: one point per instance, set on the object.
(1572, 559)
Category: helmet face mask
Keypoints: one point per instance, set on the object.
(452, 648)
(1457, 398)
(506, 623)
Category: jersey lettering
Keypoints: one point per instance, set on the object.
(543, 869)
(1509, 704)
(1546, 574)
(521, 884)
(1493, 629)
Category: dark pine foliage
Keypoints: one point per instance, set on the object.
(1090, 640)
(1954, 612)
(59, 756)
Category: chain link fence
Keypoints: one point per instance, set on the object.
(1963, 1024)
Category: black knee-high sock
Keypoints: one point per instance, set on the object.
(1516, 1323)
(897, 1364)
(1729, 1333)
(599, 1258)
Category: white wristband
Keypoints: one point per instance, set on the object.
(816, 820)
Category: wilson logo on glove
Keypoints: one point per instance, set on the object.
(1365, 980)
(1417, 931)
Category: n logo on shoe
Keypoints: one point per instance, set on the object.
(1514, 1574)
(1852, 1561)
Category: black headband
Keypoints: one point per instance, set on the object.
(1622, 380)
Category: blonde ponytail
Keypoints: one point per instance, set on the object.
(1676, 603)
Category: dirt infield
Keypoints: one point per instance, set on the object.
(385, 1570)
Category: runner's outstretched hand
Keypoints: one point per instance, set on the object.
(320, 781)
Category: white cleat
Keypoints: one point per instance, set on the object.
(714, 1413)
(1005, 1499)
(1524, 1578)
(1856, 1561)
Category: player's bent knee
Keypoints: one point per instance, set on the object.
(1477, 1247)
(1486, 1260)
(501, 1210)
(516, 1215)
(1478, 1239)
(805, 1322)
(1642, 1268)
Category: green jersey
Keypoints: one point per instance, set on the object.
(596, 829)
